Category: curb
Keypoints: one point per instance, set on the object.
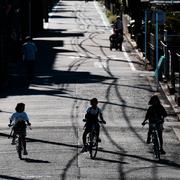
(171, 100)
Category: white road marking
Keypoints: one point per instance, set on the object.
(100, 65)
(103, 17)
(74, 57)
(114, 57)
(128, 59)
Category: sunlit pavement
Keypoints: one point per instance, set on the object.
(74, 65)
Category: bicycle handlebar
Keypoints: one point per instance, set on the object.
(100, 121)
(29, 125)
(143, 124)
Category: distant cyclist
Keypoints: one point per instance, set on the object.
(18, 120)
(155, 114)
(91, 118)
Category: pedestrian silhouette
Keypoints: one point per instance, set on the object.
(155, 115)
(29, 51)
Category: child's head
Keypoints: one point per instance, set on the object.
(20, 107)
(94, 102)
(154, 100)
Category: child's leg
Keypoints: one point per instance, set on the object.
(149, 135)
(160, 139)
(98, 129)
(84, 136)
(24, 143)
(13, 137)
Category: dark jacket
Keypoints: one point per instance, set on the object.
(156, 113)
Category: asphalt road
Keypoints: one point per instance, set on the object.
(75, 64)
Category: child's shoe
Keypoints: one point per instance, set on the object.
(25, 152)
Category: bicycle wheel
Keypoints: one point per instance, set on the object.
(19, 147)
(156, 146)
(93, 145)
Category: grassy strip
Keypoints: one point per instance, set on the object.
(111, 17)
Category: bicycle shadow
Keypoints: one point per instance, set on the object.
(102, 150)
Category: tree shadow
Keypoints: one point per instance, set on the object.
(30, 160)
(49, 79)
(4, 135)
(10, 177)
(110, 160)
(64, 17)
(121, 154)
(48, 48)
(53, 143)
(162, 161)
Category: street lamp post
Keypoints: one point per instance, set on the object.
(145, 31)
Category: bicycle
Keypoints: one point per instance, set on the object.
(92, 140)
(18, 139)
(155, 140)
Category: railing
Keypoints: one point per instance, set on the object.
(165, 65)
(178, 59)
(164, 1)
(177, 81)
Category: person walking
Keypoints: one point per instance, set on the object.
(118, 26)
(29, 51)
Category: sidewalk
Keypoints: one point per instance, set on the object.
(163, 90)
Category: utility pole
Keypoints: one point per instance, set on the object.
(29, 18)
(157, 47)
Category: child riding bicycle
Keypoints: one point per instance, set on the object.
(155, 114)
(18, 120)
(91, 118)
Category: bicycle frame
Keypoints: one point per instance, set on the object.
(19, 136)
(155, 141)
(92, 142)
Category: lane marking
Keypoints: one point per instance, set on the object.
(128, 59)
(103, 17)
(107, 24)
(100, 65)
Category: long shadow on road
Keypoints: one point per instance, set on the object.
(163, 162)
(49, 45)
(30, 160)
(124, 154)
(10, 177)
